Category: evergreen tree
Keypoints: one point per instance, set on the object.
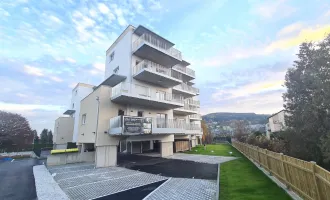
(35, 137)
(50, 137)
(44, 136)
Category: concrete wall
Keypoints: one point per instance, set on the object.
(63, 130)
(106, 156)
(60, 146)
(166, 149)
(78, 93)
(67, 158)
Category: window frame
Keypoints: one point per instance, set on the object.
(83, 119)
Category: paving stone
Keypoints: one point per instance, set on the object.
(183, 189)
(201, 158)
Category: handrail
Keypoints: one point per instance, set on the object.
(186, 70)
(147, 64)
(145, 92)
(157, 44)
(186, 87)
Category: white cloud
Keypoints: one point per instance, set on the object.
(56, 79)
(21, 95)
(154, 5)
(138, 6)
(273, 9)
(103, 8)
(55, 19)
(120, 17)
(33, 70)
(292, 28)
(27, 107)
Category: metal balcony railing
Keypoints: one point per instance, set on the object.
(185, 70)
(157, 44)
(142, 91)
(185, 87)
(147, 64)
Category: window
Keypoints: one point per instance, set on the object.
(161, 120)
(112, 56)
(116, 70)
(73, 106)
(120, 112)
(76, 92)
(137, 62)
(140, 113)
(83, 120)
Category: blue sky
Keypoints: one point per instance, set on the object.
(239, 49)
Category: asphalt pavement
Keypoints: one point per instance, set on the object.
(169, 167)
(17, 180)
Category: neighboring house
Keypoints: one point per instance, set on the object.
(146, 103)
(63, 132)
(276, 123)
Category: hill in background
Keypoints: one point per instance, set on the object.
(222, 122)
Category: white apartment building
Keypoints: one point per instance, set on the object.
(146, 104)
(66, 128)
(276, 123)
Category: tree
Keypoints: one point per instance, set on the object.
(14, 129)
(35, 137)
(44, 136)
(207, 135)
(307, 100)
(241, 130)
(50, 137)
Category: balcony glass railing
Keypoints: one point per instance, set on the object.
(192, 102)
(157, 44)
(142, 91)
(116, 122)
(185, 87)
(185, 70)
(195, 116)
(147, 64)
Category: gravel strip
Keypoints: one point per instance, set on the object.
(46, 187)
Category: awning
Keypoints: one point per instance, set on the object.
(69, 112)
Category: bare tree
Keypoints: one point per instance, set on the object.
(241, 130)
(207, 135)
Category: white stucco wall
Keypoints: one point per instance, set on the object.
(63, 131)
(277, 121)
(122, 58)
(78, 93)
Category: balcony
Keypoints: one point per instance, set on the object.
(154, 73)
(195, 117)
(188, 74)
(158, 126)
(185, 90)
(187, 109)
(192, 102)
(149, 46)
(128, 93)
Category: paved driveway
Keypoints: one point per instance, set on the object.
(17, 180)
(169, 167)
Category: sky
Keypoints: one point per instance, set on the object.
(240, 49)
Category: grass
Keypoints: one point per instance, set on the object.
(240, 179)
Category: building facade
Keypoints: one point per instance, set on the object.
(276, 123)
(146, 104)
(63, 132)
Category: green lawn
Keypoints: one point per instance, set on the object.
(241, 179)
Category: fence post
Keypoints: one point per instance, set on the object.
(284, 172)
(259, 160)
(315, 180)
(268, 165)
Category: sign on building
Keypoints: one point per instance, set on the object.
(137, 125)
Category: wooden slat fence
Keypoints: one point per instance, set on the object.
(306, 179)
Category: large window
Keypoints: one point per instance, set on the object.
(161, 120)
(83, 119)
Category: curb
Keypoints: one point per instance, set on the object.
(46, 187)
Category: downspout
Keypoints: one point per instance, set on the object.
(97, 125)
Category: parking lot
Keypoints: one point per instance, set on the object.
(142, 177)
